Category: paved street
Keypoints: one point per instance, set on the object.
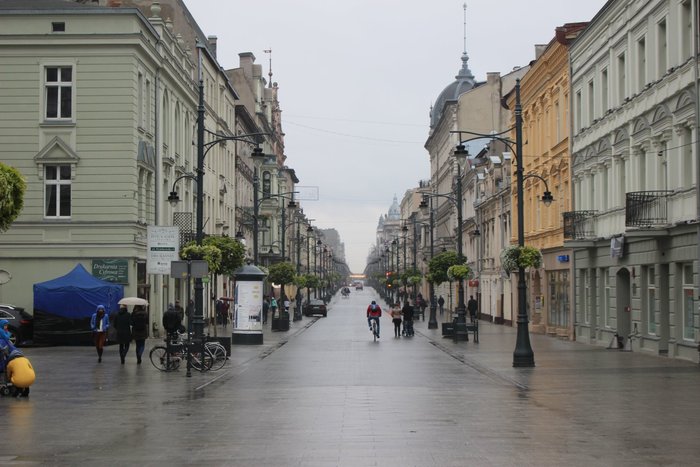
(325, 394)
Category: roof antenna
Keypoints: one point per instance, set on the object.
(269, 51)
(465, 28)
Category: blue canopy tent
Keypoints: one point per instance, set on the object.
(63, 307)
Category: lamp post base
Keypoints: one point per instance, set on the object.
(432, 322)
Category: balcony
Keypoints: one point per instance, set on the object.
(579, 225)
(646, 209)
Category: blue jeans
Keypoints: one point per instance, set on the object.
(369, 322)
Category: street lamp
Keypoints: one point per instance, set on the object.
(173, 198)
(432, 322)
(202, 150)
(523, 356)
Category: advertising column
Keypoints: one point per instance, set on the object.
(248, 297)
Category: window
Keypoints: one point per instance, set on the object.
(686, 25)
(141, 109)
(651, 300)
(607, 304)
(578, 111)
(686, 157)
(266, 185)
(591, 102)
(58, 95)
(586, 300)
(604, 199)
(604, 92)
(661, 48)
(622, 182)
(641, 63)
(57, 191)
(621, 78)
(58, 27)
(688, 308)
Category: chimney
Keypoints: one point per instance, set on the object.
(212, 44)
(246, 60)
(539, 50)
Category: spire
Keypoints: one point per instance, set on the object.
(465, 72)
(269, 51)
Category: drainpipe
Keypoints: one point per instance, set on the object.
(694, 13)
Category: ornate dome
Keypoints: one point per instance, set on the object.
(464, 81)
(394, 211)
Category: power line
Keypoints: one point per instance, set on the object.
(367, 138)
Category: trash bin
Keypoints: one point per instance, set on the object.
(283, 321)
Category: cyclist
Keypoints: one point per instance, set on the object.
(374, 311)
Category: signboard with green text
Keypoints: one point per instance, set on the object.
(111, 269)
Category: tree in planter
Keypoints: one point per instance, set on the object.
(12, 188)
(282, 273)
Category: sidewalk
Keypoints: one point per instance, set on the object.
(493, 355)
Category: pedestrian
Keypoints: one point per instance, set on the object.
(189, 311)
(180, 310)
(224, 312)
(122, 323)
(265, 308)
(273, 306)
(139, 330)
(472, 307)
(441, 304)
(396, 319)
(99, 323)
(407, 312)
(171, 322)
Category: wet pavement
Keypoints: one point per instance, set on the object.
(325, 394)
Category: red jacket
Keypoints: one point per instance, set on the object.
(377, 312)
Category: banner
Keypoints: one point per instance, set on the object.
(163, 247)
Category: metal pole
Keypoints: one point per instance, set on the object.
(198, 317)
(523, 355)
(461, 324)
(297, 308)
(432, 322)
(256, 208)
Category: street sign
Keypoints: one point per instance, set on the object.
(163, 244)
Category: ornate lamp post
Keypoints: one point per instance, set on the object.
(523, 356)
(432, 322)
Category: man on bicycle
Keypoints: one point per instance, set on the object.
(373, 313)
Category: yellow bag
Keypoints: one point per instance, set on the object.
(20, 372)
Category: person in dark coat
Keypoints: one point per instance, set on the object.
(172, 323)
(472, 307)
(122, 323)
(139, 330)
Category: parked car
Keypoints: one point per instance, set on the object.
(315, 307)
(21, 323)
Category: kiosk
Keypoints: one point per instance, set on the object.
(248, 298)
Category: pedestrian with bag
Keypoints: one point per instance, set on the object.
(122, 323)
(396, 319)
(139, 330)
(441, 304)
(99, 323)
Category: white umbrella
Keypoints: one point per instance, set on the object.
(133, 301)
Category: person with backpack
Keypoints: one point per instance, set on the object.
(374, 312)
(139, 330)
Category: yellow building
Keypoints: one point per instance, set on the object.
(545, 110)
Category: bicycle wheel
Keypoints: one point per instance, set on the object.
(202, 361)
(162, 361)
(218, 353)
(374, 330)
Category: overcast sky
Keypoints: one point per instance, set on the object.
(357, 79)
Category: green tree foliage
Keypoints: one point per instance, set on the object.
(209, 253)
(232, 253)
(12, 188)
(438, 266)
(282, 273)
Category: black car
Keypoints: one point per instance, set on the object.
(21, 323)
(315, 307)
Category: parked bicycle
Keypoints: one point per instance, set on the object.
(169, 357)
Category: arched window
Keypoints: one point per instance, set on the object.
(267, 183)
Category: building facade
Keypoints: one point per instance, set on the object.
(634, 154)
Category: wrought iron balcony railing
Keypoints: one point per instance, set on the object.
(647, 208)
(578, 225)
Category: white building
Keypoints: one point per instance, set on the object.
(634, 151)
